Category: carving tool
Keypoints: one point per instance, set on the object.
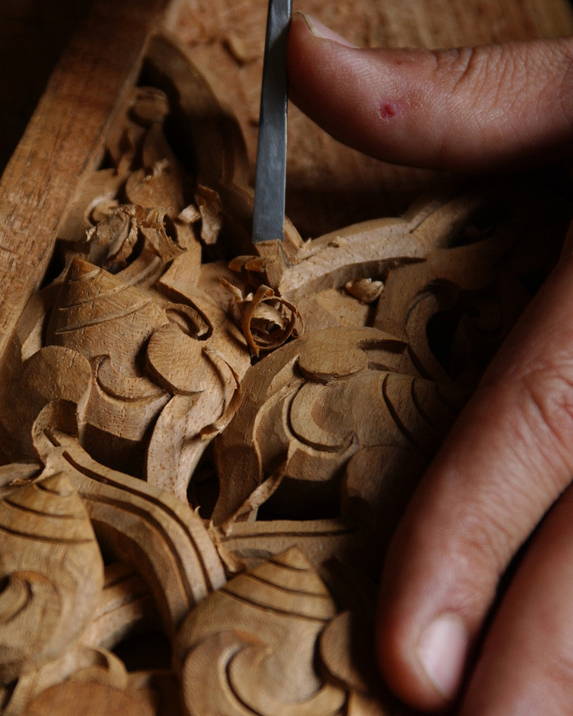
(269, 208)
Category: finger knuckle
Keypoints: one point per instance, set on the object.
(458, 64)
(548, 402)
(486, 540)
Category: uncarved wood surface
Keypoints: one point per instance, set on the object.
(341, 185)
(63, 140)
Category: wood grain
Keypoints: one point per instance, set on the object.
(63, 140)
(244, 577)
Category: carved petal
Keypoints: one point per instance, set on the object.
(178, 361)
(97, 314)
(241, 642)
(54, 573)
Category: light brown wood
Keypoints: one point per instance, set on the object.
(314, 404)
(244, 636)
(104, 335)
(95, 699)
(167, 541)
(237, 434)
(53, 571)
(83, 92)
(274, 618)
(125, 606)
(80, 663)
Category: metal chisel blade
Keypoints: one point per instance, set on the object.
(269, 209)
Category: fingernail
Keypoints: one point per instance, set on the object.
(322, 31)
(442, 652)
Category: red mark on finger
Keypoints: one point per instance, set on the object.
(387, 110)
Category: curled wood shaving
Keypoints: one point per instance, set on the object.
(266, 319)
(152, 224)
(98, 194)
(113, 242)
(366, 290)
(211, 210)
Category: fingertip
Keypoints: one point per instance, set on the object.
(429, 611)
(338, 85)
(424, 669)
(305, 23)
(312, 52)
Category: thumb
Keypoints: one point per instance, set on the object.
(455, 109)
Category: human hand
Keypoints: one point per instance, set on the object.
(509, 458)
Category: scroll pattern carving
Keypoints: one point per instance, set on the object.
(205, 449)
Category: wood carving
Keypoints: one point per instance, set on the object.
(260, 625)
(204, 448)
(165, 539)
(274, 619)
(314, 404)
(61, 678)
(53, 573)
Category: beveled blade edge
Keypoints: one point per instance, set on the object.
(270, 182)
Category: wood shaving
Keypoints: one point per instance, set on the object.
(211, 210)
(114, 239)
(189, 215)
(366, 290)
(266, 320)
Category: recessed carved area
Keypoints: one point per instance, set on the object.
(205, 446)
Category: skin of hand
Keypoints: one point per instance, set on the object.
(506, 467)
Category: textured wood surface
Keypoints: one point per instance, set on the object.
(243, 576)
(64, 139)
(341, 185)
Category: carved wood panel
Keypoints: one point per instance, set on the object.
(204, 450)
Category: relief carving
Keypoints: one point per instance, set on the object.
(205, 448)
